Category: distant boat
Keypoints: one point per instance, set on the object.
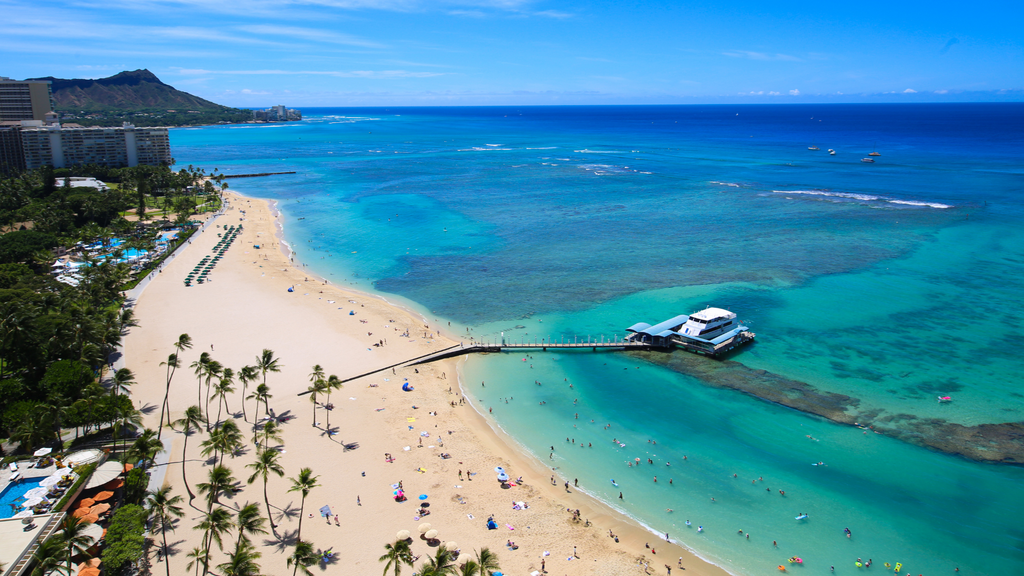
(831, 152)
(874, 151)
(813, 148)
(868, 160)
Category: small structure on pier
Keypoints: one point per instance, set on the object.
(711, 331)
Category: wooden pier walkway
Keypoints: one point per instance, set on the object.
(536, 345)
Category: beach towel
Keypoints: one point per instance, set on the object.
(410, 420)
(509, 526)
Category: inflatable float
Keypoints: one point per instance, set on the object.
(801, 517)
(795, 560)
(614, 483)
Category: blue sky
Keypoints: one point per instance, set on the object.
(522, 52)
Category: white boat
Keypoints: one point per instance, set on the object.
(831, 152)
(709, 323)
(868, 160)
(813, 148)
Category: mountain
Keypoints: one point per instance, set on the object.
(138, 97)
(136, 90)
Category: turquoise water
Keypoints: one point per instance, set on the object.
(889, 283)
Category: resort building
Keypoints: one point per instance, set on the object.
(24, 100)
(277, 114)
(114, 147)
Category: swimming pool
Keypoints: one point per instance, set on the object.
(13, 493)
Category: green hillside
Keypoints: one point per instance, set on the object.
(138, 97)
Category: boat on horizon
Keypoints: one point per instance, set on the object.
(874, 150)
(831, 152)
(868, 160)
(813, 148)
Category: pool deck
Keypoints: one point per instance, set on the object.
(16, 542)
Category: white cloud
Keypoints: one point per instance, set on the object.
(794, 92)
(942, 91)
(773, 93)
(760, 55)
(254, 92)
(335, 73)
(910, 91)
(309, 34)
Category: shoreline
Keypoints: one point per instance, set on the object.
(246, 306)
(504, 445)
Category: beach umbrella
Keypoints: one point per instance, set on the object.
(499, 470)
(99, 508)
(86, 503)
(423, 496)
(50, 480)
(90, 571)
(42, 452)
(451, 546)
(424, 527)
(104, 495)
(36, 492)
(113, 484)
(430, 535)
(402, 535)
(24, 514)
(94, 531)
(32, 502)
(81, 512)
(502, 477)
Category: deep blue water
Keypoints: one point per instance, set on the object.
(891, 282)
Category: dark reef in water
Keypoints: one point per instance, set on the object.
(1002, 443)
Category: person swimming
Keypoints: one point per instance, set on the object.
(687, 522)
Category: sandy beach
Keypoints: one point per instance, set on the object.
(247, 307)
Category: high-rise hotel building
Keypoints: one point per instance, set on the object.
(31, 138)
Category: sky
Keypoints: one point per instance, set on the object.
(257, 53)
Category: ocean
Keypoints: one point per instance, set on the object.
(873, 288)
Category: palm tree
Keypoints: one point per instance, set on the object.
(262, 394)
(219, 481)
(303, 557)
(145, 447)
(249, 521)
(199, 369)
(122, 379)
(486, 561)
(266, 362)
(184, 342)
(245, 375)
(241, 562)
(266, 464)
(216, 523)
(127, 416)
(192, 421)
(73, 535)
(396, 555)
(317, 385)
(172, 364)
(223, 387)
(316, 388)
(213, 370)
(164, 509)
(200, 556)
(333, 383)
(304, 483)
(269, 431)
(49, 557)
(441, 564)
(469, 568)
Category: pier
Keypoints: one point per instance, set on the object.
(256, 175)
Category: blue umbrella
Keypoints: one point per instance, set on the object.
(423, 496)
(503, 477)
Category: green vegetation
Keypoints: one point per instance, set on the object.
(55, 338)
(125, 540)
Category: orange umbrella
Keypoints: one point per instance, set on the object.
(92, 518)
(81, 512)
(86, 502)
(89, 572)
(101, 496)
(128, 467)
(100, 508)
(114, 484)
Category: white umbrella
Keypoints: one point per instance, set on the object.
(42, 452)
(424, 527)
(403, 535)
(94, 531)
(32, 502)
(50, 480)
(430, 535)
(36, 492)
(24, 514)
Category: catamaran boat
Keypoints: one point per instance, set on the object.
(711, 331)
